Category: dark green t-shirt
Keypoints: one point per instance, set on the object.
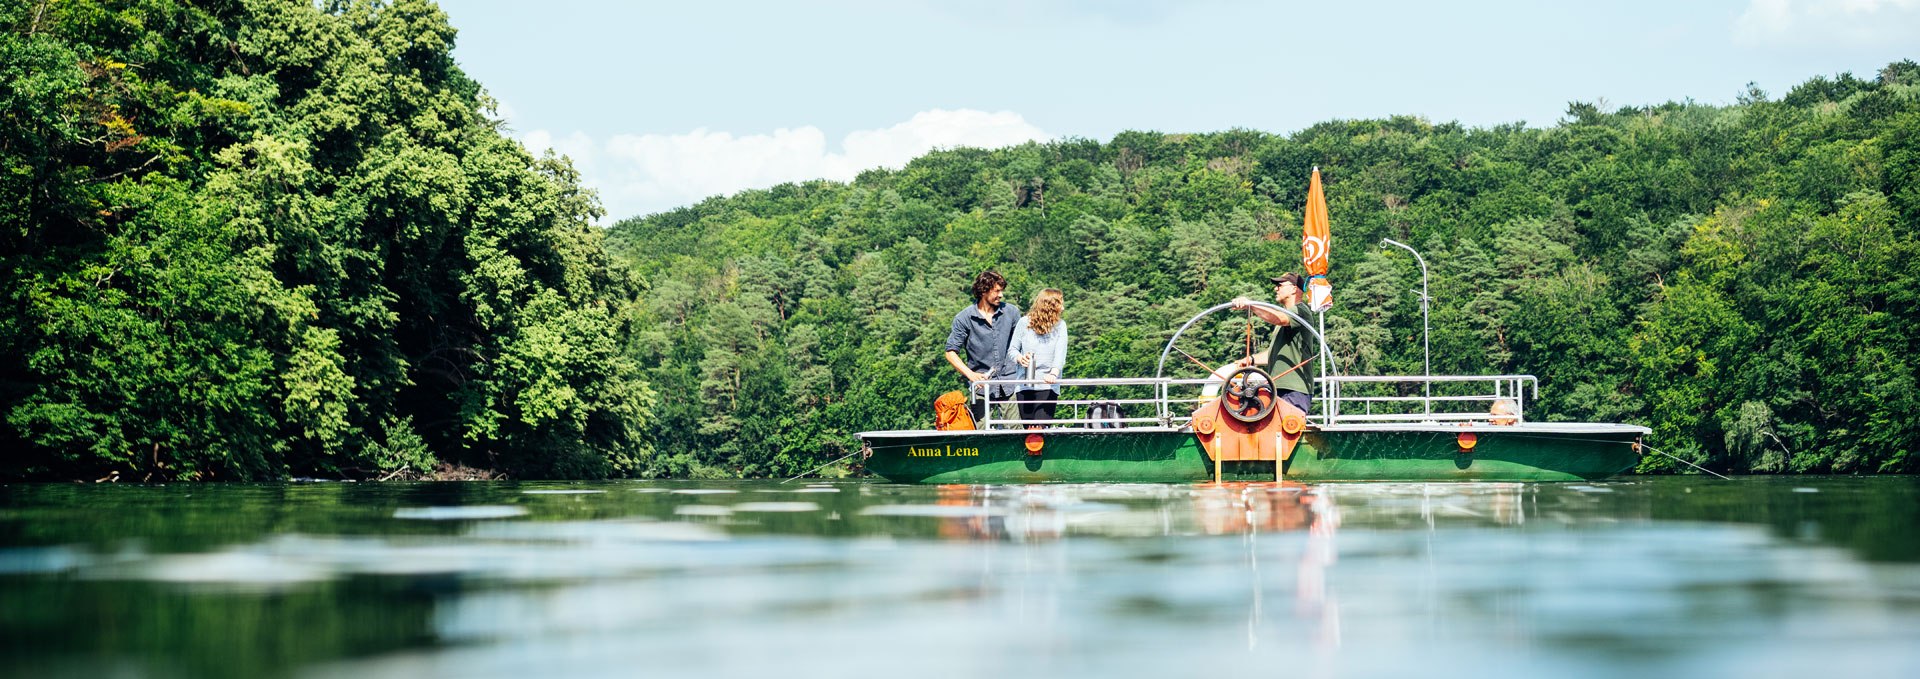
(1291, 344)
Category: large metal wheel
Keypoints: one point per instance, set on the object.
(1249, 395)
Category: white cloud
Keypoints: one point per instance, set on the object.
(577, 146)
(1811, 22)
(647, 173)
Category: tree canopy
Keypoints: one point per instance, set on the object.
(1740, 278)
(249, 239)
(253, 239)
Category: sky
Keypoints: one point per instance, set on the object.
(663, 104)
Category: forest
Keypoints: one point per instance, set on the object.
(255, 240)
(1742, 279)
(252, 239)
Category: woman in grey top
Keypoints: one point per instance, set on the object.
(1040, 347)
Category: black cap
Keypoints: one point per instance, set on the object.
(1293, 278)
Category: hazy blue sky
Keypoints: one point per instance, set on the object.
(662, 104)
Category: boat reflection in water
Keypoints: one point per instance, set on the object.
(1046, 514)
(1290, 523)
(1252, 509)
(1645, 577)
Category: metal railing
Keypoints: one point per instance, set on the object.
(1167, 403)
(1469, 403)
(1331, 404)
(1160, 405)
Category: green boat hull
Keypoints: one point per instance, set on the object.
(1531, 452)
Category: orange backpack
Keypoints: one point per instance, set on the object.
(950, 412)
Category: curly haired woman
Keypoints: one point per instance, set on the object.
(1040, 345)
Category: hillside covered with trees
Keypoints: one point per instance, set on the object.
(249, 239)
(1742, 278)
(254, 239)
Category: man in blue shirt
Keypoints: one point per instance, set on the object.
(983, 330)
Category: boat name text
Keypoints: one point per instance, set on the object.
(949, 451)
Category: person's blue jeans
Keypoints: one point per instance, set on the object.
(1298, 399)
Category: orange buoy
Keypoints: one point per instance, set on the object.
(1467, 441)
(1035, 443)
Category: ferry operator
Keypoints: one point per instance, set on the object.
(1288, 346)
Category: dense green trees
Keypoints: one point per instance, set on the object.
(248, 238)
(259, 238)
(1742, 279)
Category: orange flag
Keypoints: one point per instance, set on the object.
(1315, 241)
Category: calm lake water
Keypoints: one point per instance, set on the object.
(1755, 577)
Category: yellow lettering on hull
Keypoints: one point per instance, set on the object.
(947, 451)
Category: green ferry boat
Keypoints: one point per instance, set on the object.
(1346, 452)
(1367, 428)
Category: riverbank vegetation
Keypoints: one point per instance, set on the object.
(245, 239)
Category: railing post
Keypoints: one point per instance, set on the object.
(1426, 326)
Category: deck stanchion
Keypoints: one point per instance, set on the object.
(1216, 468)
(1426, 326)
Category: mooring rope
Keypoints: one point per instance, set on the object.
(1643, 445)
(824, 466)
(1690, 464)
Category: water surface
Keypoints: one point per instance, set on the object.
(1785, 577)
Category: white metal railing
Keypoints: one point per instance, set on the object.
(1482, 401)
(1166, 403)
(1160, 405)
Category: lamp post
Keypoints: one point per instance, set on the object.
(1426, 343)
